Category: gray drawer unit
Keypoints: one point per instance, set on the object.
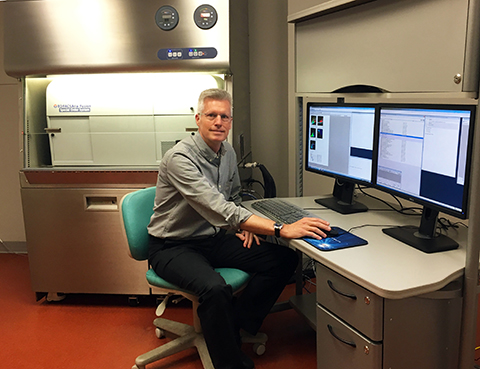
(339, 346)
(356, 328)
(352, 303)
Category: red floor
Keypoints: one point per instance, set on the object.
(102, 331)
(98, 331)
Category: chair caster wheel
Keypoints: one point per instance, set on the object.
(159, 333)
(259, 349)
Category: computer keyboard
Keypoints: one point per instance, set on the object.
(280, 210)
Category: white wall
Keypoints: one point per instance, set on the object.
(12, 233)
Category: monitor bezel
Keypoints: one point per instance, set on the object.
(337, 176)
(462, 214)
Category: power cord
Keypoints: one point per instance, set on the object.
(446, 224)
(443, 224)
(402, 210)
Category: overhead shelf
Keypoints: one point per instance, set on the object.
(327, 7)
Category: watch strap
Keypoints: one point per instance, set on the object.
(277, 227)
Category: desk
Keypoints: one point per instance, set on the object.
(407, 309)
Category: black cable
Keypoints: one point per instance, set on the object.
(372, 225)
(445, 224)
(239, 164)
(251, 181)
(269, 187)
(402, 210)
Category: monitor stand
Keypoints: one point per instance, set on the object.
(340, 206)
(342, 200)
(425, 238)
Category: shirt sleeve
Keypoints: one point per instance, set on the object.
(204, 197)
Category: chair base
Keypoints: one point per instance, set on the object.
(187, 337)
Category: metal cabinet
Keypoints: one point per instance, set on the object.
(357, 328)
(76, 242)
(396, 46)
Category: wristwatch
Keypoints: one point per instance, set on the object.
(277, 227)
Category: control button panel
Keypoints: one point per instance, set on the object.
(166, 18)
(187, 53)
(205, 16)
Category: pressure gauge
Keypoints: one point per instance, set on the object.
(166, 18)
(205, 16)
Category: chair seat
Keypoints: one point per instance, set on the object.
(234, 277)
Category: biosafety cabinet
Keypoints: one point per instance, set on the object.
(121, 120)
(108, 87)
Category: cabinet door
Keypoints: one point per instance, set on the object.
(398, 46)
(426, 327)
(76, 242)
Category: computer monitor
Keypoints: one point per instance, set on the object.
(424, 154)
(340, 144)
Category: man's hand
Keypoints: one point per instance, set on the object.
(247, 238)
(306, 227)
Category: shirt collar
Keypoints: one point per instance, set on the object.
(206, 151)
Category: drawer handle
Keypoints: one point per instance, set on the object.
(349, 295)
(350, 343)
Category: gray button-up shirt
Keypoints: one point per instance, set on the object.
(197, 191)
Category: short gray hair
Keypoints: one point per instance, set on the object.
(214, 94)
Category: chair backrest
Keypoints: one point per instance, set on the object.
(136, 210)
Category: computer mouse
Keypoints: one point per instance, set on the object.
(332, 233)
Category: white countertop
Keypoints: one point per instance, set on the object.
(385, 266)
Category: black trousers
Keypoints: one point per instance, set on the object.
(189, 264)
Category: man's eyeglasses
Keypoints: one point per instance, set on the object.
(212, 116)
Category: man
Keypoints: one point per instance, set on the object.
(196, 215)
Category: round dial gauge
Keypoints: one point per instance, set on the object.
(166, 18)
(205, 16)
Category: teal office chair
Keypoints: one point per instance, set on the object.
(136, 209)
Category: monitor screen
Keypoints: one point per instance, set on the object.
(340, 144)
(424, 156)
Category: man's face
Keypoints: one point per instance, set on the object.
(214, 131)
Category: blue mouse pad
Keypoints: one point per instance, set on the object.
(342, 240)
